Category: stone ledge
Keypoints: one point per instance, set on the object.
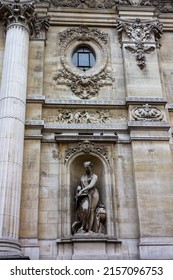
(33, 137)
(88, 103)
(169, 107)
(87, 128)
(159, 138)
(37, 98)
(88, 238)
(147, 125)
(77, 138)
(34, 123)
(136, 100)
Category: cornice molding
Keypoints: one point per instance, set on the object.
(161, 6)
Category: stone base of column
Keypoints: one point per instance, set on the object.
(10, 248)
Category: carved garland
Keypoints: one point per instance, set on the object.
(139, 35)
(147, 113)
(83, 84)
(86, 147)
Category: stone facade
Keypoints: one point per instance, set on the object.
(55, 116)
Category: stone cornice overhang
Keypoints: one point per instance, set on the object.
(103, 17)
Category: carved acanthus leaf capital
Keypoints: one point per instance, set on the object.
(23, 14)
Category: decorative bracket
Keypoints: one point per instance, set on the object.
(141, 37)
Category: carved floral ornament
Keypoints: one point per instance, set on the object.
(83, 84)
(141, 37)
(147, 113)
(86, 147)
(164, 6)
(100, 4)
(23, 14)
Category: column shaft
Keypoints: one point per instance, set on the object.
(12, 120)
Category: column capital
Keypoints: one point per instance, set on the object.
(22, 13)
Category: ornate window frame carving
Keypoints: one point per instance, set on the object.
(83, 84)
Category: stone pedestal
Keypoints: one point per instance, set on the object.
(89, 248)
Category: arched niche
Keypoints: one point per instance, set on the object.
(77, 169)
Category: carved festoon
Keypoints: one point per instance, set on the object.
(86, 84)
(147, 113)
(141, 37)
(86, 147)
(23, 14)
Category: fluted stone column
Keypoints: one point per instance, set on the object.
(12, 119)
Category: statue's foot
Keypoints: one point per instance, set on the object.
(81, 230)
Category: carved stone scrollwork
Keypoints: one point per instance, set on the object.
(140, 36)
(147, 113)
(84, 87)
(41, 26)
(17, 12)
(162, 6)
(86, 84)
(86, 147)
(100, 4)
(23, 14)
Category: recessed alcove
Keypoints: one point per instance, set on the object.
(77, 170)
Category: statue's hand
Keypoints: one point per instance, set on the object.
(78, 194)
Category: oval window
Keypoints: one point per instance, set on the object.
(84, 58)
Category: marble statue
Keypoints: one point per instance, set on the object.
(90, 212)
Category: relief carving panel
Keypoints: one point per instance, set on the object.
(147, 113)
(84, 116)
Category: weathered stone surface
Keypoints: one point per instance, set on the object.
(125, 129)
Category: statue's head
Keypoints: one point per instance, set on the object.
(87, 164)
